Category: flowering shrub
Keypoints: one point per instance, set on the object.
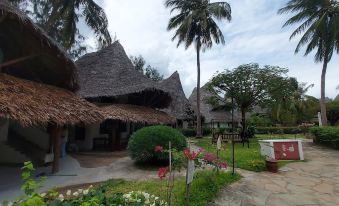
(142, 198)
(80, 197)
(147, 144)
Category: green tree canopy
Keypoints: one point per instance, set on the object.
(249, 85)
(151, 72)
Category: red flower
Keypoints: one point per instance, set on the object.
(158, 149)
(191, 155)
(209, 157)
(223, 165)
(162, 172)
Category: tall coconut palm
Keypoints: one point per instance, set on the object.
(59, 18)
(319, 26)
(195, 23)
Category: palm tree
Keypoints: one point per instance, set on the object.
(196, 24)
(320, 30)
(59, 18)
(69, 12)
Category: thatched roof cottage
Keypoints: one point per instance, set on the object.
(211, 116)
(37, 82)
(128, 98)
(180, 106)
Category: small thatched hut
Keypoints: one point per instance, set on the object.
(128, 98)
(211, 116)
(180, 107)
(37, 80)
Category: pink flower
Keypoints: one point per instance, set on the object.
(162, 172)
(191, 155)
(209, 157)
(223, 165)
(158, 149)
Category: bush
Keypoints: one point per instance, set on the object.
(328, 136)
(278, 130)
(192, 132)
(142, 143)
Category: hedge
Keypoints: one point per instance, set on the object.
(328, 136)
(192, 132)
(278, 130)
(142, 143)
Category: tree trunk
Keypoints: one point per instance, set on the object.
(199, 135)
(323, 96)
(243, 123)
(56, 136)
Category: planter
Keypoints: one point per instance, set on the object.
(272, 165)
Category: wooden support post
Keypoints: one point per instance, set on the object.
(56, 136)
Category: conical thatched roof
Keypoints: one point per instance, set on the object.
(179, 102)
(32, 103)
(110, 73)
(47, 62)
(207, 110)
(134, 113)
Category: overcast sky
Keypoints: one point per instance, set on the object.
(254, 35)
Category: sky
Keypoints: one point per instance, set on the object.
(255, 35)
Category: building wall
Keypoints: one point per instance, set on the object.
(93, 131)
(10, 155)
(36, 135)
(4, 123)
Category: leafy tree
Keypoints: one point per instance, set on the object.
(153, 73)
(195, 24)
(333, 112)
(249, 86)
(60, 19)
(138, 62)
(289, 105)
(149, 71)
(320, 30)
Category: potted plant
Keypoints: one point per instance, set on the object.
(271, 165)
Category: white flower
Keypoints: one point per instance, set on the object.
(61, 197)
(90, 186)
(69, 192)
(80, 191)
(42, 194)
(85, 192)
(76, 194)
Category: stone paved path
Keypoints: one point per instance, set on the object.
(311, 183)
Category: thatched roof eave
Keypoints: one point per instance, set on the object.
(137, 114)
(32, 103)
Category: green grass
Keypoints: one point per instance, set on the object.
(204, 188)
(245, 158)
(280, 136)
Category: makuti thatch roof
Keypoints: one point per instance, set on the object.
(179, 103)
(32, 103)
(109, 73)
(44, 60)
(207, 110)
(134, 113)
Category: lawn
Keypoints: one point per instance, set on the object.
(203, 189)
(245, 158)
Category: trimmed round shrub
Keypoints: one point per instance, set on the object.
(142, 143)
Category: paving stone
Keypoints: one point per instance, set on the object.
(315, 182)
(324, 188)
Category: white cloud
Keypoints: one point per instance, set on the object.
(254, 35)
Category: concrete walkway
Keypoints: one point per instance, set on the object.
(311, 183)
(71, 174)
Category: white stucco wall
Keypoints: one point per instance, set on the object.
(36, 135)
(9, 155)
(3, 129)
